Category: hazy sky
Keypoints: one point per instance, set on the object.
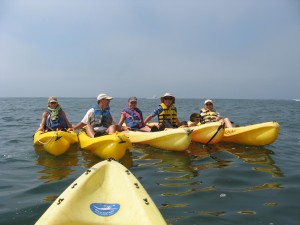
(192, 48)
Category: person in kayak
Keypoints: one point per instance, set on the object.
(209, 114)
(98, 119)
(166, 113)
(133, 117)
(54, 118)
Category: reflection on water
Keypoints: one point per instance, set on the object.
(259, 156)
(56, 168)
(91, 159)
(211, 157)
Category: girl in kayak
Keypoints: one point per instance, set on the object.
(133, 117)
(54, 118)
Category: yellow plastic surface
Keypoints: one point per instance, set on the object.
(208, 133)
(107, 146)
(55, 142)
(257, 134)
(177, 139)
(107, 182)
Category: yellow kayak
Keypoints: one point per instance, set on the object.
(55, 142)
(208, 133)
(177, 139)
(107, 193)
(256, 134)
(107, 146)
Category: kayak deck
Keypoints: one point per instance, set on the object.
(107, 193)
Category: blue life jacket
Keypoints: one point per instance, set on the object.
(133, 121)
(100, 118)
(56, 123)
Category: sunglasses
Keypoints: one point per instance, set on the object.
(133, 102)
(168, 98)
(53, 103)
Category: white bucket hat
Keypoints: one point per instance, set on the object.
(208, 100)
(167, 95)
(104, 96)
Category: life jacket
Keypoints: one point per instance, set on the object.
(208, 115)
(55, 120)
(169, 114)
(134, 119)
(100, 117)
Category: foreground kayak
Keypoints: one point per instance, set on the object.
(177, 139)
(256, 134)
(55, 142)
(208, 133)
(107, 146)
(107, 193)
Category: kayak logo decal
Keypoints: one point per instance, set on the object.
(104, 209)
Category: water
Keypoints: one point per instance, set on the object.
(220, 184)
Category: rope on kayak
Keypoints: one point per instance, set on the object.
(44, 143)
(219, 128)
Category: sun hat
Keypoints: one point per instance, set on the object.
(52, 99)
(104, 96)
(167, 95)
(132, 99)
(208, 100)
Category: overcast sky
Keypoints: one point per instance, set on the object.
(192, 48)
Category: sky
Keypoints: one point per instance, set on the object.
(228, 49)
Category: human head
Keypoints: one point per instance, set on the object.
(167, 96)
(132, 99)
(52, 99)
(208, 102)
(103, 96)
(195, 117)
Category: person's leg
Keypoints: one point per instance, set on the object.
(227, 123)
(90, 131)
(112, 129)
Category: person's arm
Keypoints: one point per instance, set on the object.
(218, 116)
(177, 122)
(156, 112)
(84, 121)
(122, 119)
(79, 126)
(66, 119)
(148, 119)
(43, 121)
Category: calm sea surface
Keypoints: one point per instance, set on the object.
(205, 185)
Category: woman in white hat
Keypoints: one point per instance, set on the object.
(54, 118)
(98, 120)
(209, 114)
(166, 112)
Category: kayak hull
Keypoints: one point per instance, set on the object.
(55, 142)
(107, 193)
(177, 139)
(208, 133)
(257, 134)
(107, 146)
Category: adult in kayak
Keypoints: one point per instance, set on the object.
(54, 118)
(209, 114)
(133, 117)
(166, 113)
(98, 119)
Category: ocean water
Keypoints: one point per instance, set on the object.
(214, 184)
